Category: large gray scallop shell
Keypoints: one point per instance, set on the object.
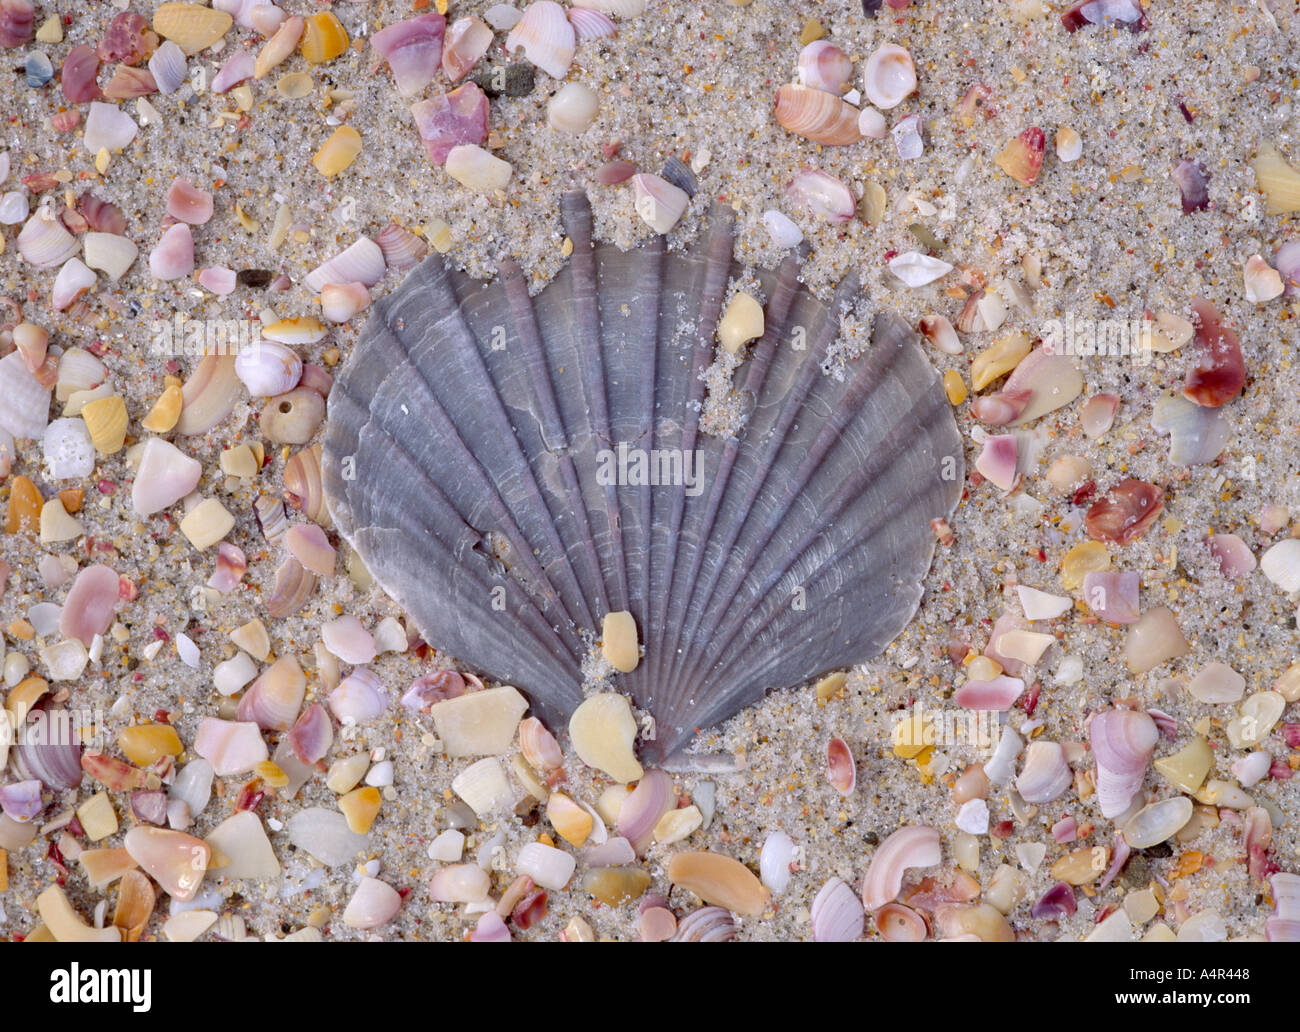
(473, 429)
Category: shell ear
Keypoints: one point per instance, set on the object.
(513, 469)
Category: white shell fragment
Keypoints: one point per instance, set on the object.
(917, 270)
(659, 203)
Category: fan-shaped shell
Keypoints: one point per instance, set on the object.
(472, 428)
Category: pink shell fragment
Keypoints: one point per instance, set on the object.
(80, 70)
(173, 257)
(613, 172)
(413, 50)
(312, 734)
(997, 461)
(358, 698)
(1128, 13)
(1234, 555)
(1193, 184)
(349, 640)
(126, 39)
(187, 203)
(822, 194)
(1098, 413)
(591, 24)
(16, 20)
(165, 475)
(452, 119)
(236, 70)
(1220, 372)
(220, 281)
(232, 747)
(997, 695)
(1112, 595)
(91, 603)
(231, 565)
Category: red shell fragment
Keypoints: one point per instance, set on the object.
(1124, 512)
(1220, 374)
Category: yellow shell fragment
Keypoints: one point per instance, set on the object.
(324, 38)
(239, 461)
(955, 387)
(998, 360)
(719, 880)
(165, 412)
(619, 642)
(603, 729)
(360, 807)
(65, 924)
(207, 523)
(741, 323)
(97, 817)
(338, 152)
(1186, 769)
(570, 821)
(1279, 181)
(144, 744)
(191, 26)
(1084, 558)
(106, 420)
(57, 525)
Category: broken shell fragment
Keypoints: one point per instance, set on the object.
(414, 48)
(1022, 157)
(824, 66)
(1220, 372)
(573, 108)
(1122, 742)
(468, 39)
(268, 368)
(742, 321)
(1124, 512)
(917, 270)
(476, 169)
(823, 195)
(1261, 281)
(719, 880)
(909, 847)
(1045, 774)
(1154, 639)
(1157, 822)
(191, 26)
(1197, 434)
(1193, 185)
(659, 203)
(1279, 181)
(837, 914)
(603, 731)
(173, 255)
(175, 860)
(164, 476)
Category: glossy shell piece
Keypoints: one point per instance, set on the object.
(476, 422)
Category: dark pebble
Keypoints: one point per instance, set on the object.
(258, 278)
(1160, 850)
(516, 82)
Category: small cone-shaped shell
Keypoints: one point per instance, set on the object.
(547, 37)
(817, 115)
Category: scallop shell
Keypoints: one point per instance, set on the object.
(472, 459)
